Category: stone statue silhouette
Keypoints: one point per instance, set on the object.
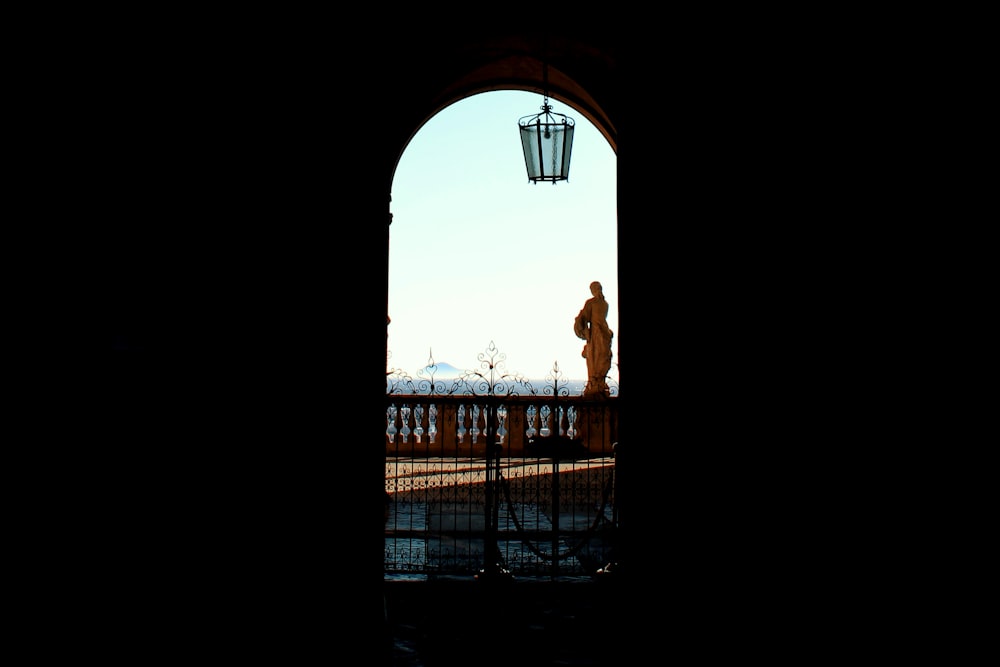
(591, 325)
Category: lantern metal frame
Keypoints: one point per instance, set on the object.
(547, 140)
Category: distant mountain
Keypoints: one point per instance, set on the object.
(442, 369)
(445, 371)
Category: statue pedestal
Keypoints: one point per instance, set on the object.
(596, 428)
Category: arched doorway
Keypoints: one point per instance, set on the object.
(479, 255)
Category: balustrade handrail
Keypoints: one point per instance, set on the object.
(489, 472)
(524, 425)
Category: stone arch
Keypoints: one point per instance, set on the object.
(525, 73)
(514, 73)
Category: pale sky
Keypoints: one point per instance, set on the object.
(479, 255)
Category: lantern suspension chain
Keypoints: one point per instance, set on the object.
(546, 107)
(547, 143)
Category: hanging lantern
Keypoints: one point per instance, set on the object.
(547, 141)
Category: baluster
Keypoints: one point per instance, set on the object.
(391, 430)
(480, 423)
(405, 430)
(571, 417)
(418, 417)
(501, 420)
(432, 423)
(461, 424)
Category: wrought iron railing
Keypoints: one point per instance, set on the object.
(489, 474)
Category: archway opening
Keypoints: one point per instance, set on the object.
(480, 257)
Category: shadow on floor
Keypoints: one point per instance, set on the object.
(505, 622)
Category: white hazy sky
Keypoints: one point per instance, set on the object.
(480, 255)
